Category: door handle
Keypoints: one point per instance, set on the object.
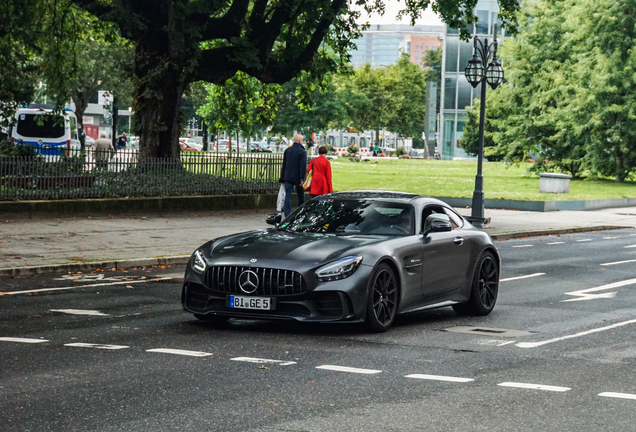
(458, 240)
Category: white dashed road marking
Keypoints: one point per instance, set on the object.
(180, 352)
(23, 340)
(348, 369)
(618, 262)
(618, 395)
(260, 360)
(534, 386)
(100, 346)
(554, 243)
(522, 246)
(439, 378)
(585, 333)
(584, 240)
(521, 277)
(80, 312)
(630, 246)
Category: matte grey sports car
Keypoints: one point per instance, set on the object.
(347, 256)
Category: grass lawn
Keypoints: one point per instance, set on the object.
(457, 179)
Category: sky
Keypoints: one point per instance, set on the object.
(392, 8)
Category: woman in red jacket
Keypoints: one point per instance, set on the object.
(321, 177)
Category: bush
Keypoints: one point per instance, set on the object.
(400, 151)
(352, 149)
(7, 148)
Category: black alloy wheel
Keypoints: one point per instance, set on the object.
(383, 298)
(485, 287)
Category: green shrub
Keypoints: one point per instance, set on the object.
(7, 148)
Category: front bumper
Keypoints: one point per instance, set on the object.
(342, 300)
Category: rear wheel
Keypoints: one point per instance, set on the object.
(383, 299)
(485, 287)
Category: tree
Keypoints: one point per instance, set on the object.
(101, 64)
(35, 38)
(178, 42)
(242, 104)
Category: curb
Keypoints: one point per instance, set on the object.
(92, 266)
(522, 234)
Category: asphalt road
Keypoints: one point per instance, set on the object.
(113, 351)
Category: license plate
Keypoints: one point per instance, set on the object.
(260, 303)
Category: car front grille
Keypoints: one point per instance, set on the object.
(196, 298)
(329, 304)
(271, 282)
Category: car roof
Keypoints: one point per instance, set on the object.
(383, 195)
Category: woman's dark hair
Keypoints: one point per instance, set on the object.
(322, 150)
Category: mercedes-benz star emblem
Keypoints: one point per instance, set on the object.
(248, 281)
(253, 260)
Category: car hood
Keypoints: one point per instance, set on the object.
(273, 246)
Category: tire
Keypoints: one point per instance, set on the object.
(219, 319)
(382, 301)
(484, 289)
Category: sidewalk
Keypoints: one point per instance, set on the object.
(33, 246)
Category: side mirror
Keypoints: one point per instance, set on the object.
(273, 219)
(437, 223)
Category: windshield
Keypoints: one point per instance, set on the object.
(40, 126)
(344, 217)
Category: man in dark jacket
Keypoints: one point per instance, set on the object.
(293, 172)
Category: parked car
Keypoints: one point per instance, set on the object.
(191, 142)
(89, 142)
(348, 256)
(260, 147)
(186, 147)
(221, 145)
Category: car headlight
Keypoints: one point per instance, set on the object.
(340, 269)
(198, 263)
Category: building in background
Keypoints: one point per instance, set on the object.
(381, 44)
(457, 93)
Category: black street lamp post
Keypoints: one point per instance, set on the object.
(481, 70)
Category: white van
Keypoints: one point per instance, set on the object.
(51, 135)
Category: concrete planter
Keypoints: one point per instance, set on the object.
(554, 183)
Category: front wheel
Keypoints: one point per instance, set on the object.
(383, 299)
(485, 286)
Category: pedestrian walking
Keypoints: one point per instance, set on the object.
(121, 143)
(103, 152)
(293, 172)
(320, 168)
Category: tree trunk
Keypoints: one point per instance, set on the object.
(163, 76)
(619, 168)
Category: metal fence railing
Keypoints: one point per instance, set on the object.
(103, 174)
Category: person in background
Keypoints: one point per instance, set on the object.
(321, 176)
(121, 143)
(293, 172)
(376, 150)
(103, 152)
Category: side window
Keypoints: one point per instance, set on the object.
(456, 219)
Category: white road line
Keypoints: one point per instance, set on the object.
(618, 262)
(618, 395)
(523, 246)
(260, 360)
(23, 340)
(439, 378)
(553, 243)
(609, 237)
(585, 333)
(521, 277)
(82, 286)
(180, 352)
(629, 246)
(585, 293)
(100, 346)
(80, 312)
(348, 369)
(583, 240)
(534, 386)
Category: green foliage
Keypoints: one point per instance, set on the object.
(352, 149)
(7, 148)
(570, 96)
(400, 151)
